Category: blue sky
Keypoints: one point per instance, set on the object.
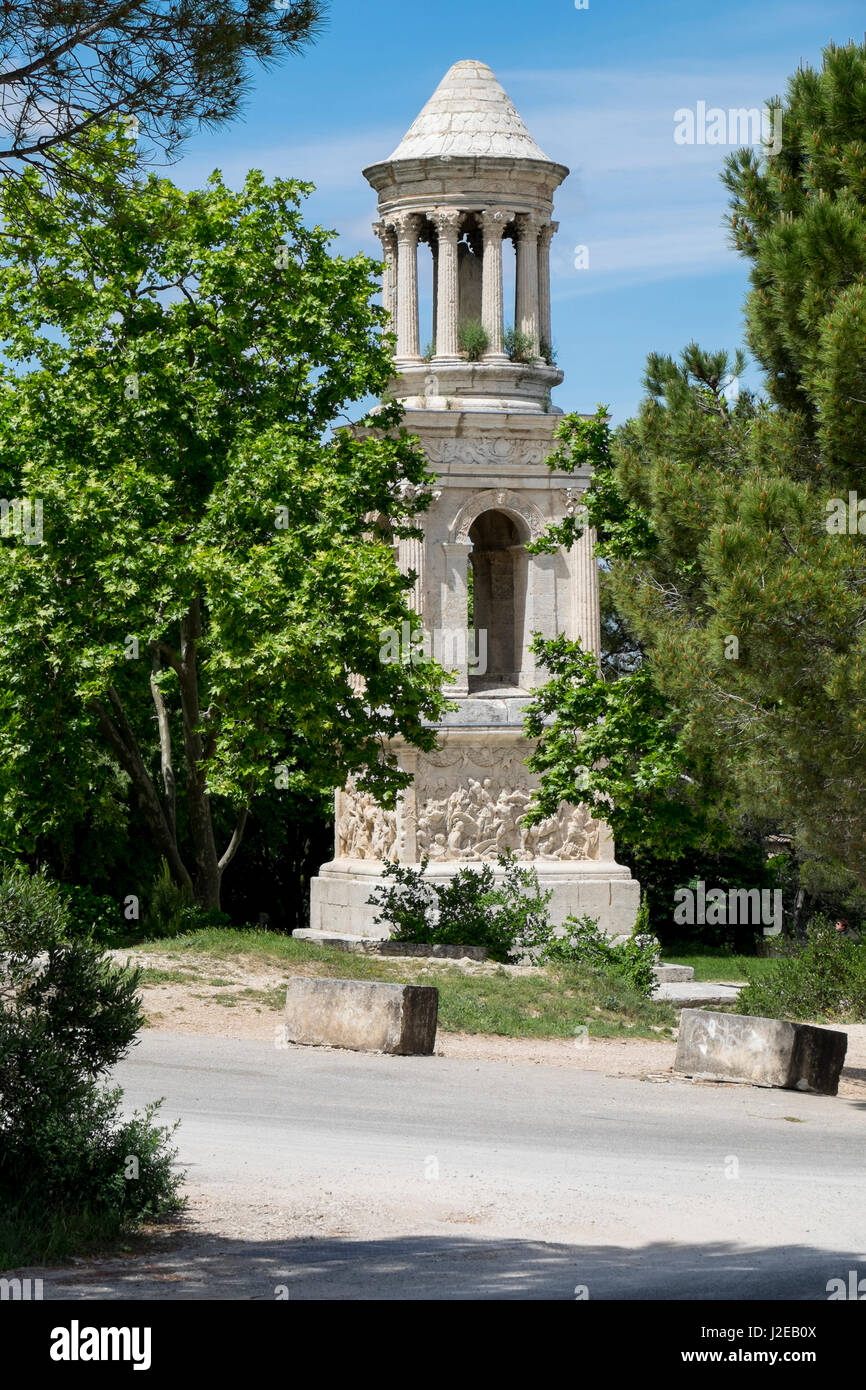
(598, 88)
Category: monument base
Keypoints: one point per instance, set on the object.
(601, 889)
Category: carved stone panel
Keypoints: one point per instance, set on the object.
(470, 802)
(364, 830)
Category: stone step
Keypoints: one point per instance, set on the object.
(688, 995)
(375, 946)
(673, 974)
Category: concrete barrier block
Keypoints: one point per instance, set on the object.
(762, 1051)
(362, 1015)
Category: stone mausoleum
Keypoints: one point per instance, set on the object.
(468, 187)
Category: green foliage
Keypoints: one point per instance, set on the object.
(731, 592)
(473, 339)
(94, 916)
(467, 909)
(518, 345)
(173, 363)
(826, 979)
(66, 1017)
(632, 961)
(172, 67)
(547, 353)
(616, 746)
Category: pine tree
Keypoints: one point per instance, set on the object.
(741, 573)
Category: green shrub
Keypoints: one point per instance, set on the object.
(94, 915)
(826, 979)
(67, 1015)
(583, 943)
(547, 353)
(172, 911)
(468, 909)
(473, 339)
(519, 346)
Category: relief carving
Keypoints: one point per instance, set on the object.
(364, 829)
(482, 817)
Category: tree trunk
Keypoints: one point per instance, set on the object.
(208, 872)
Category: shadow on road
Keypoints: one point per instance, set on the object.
(455, 1268)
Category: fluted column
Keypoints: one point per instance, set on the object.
(545, 237)
(586, 621)
(493, 221)
(526, 300)
(407, 226)
(388, 238)
(411, 560)
(448, 222)
(454, 607)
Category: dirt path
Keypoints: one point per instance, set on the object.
(236, 998)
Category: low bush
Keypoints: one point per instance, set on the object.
(825, 979)
(71, 1167)
(468, 909)
(583, 943)
(172, 912)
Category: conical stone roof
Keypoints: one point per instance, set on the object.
(470, 114)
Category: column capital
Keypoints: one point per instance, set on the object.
(529, 225)
(547, 233)
(407, 225)
(495, 220)
(448, 222)
(385, 232)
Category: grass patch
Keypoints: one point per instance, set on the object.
(149, 976)
(549, 1003)
(717, 965)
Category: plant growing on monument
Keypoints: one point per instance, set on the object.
(207, 589)
(66, 1017)
(518, 346)
(473, 339)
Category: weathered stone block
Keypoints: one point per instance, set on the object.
(762, 1051)
(364, 1016)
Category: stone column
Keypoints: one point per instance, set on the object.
(587, 605)
(388, 238)
(407, 226)
(546, 235)
(526, 300)
(411, 559)
(454, 608)
(493, 221)
(434, 248)
(448, 222)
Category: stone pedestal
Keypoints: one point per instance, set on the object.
(465, 808)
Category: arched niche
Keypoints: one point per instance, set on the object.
(499, 583)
